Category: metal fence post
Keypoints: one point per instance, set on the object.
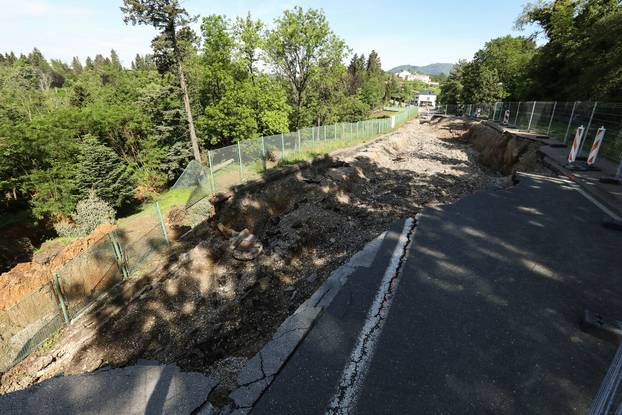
(445, 109)
(240, 161)
(282, 147)
(533, 108)
(299, 143)
(161, 218)
(61, 299)
(517, 112)
(548, 130)
(587, 129)
(574, 106)
(119, 255)
(211, 170)
(494, 114)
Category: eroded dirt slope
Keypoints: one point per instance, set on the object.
(208, 311)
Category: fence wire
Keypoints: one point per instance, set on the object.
(114, 257)
(250, 159)
(109, 261)
(555, 119)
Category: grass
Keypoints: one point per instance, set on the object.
(167, 199)
(58, 241)
(51, 340)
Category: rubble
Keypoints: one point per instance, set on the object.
(223, 292)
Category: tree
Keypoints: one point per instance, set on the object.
(481, 84)
(581, 58)
(356, 73)
(102, 171)
(249, 42)
(451, 89)
(373, 64)
(115, 61)
(240, 102)
(76, 66)
(300, 43)
(168, 17)
(510, 56)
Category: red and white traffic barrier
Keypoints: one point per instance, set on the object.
(506, 117)
(576, 143)
(598, 140)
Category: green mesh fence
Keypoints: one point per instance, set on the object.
(107, 262)
(134, 244)
(25, 325)
(250, 159)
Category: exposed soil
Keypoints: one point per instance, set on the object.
(504, 153)
(206, 310)
(27, 277)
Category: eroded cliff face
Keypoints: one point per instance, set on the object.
(503, 152)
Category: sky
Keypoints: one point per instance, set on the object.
(403, 32)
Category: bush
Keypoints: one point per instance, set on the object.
(103, 171)
(90, 213)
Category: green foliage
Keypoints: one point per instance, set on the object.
(302, 48)
(498, 71)
(90, 213)
(104, 173)
(68, 128)
(582, 58)
(451, 89)
(240, 102)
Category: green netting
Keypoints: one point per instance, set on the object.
(89, 274)
(107, 262)
(24, 326)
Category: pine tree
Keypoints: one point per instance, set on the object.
(115, 61)
(102, 171)
(373, 64)
(76, 66)
(89, 63)
(356, 73)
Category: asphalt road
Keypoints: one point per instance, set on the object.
(485, 317)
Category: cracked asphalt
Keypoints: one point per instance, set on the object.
(485, 318)
(310, 377)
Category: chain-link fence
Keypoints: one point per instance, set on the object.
(116, 256)
(250, 159)
(109, 261)
(554, 118)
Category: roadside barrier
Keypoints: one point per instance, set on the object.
(506, 117)
(576, 144)
(598, 140)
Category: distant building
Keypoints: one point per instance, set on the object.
(425, 99)
(408, 76)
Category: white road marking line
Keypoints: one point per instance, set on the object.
(344, 400)
(597, 203)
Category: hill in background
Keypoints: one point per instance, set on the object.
(431, 69)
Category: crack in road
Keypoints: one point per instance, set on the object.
(344, 399)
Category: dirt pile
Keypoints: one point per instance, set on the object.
(27, 277)
(503, 152)
(203, 307)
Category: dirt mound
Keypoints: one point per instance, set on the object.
(504, 153)
(26, 277)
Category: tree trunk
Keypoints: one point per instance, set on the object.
(193, 134)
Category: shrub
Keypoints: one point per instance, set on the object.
(103, 171)
(90, 213)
